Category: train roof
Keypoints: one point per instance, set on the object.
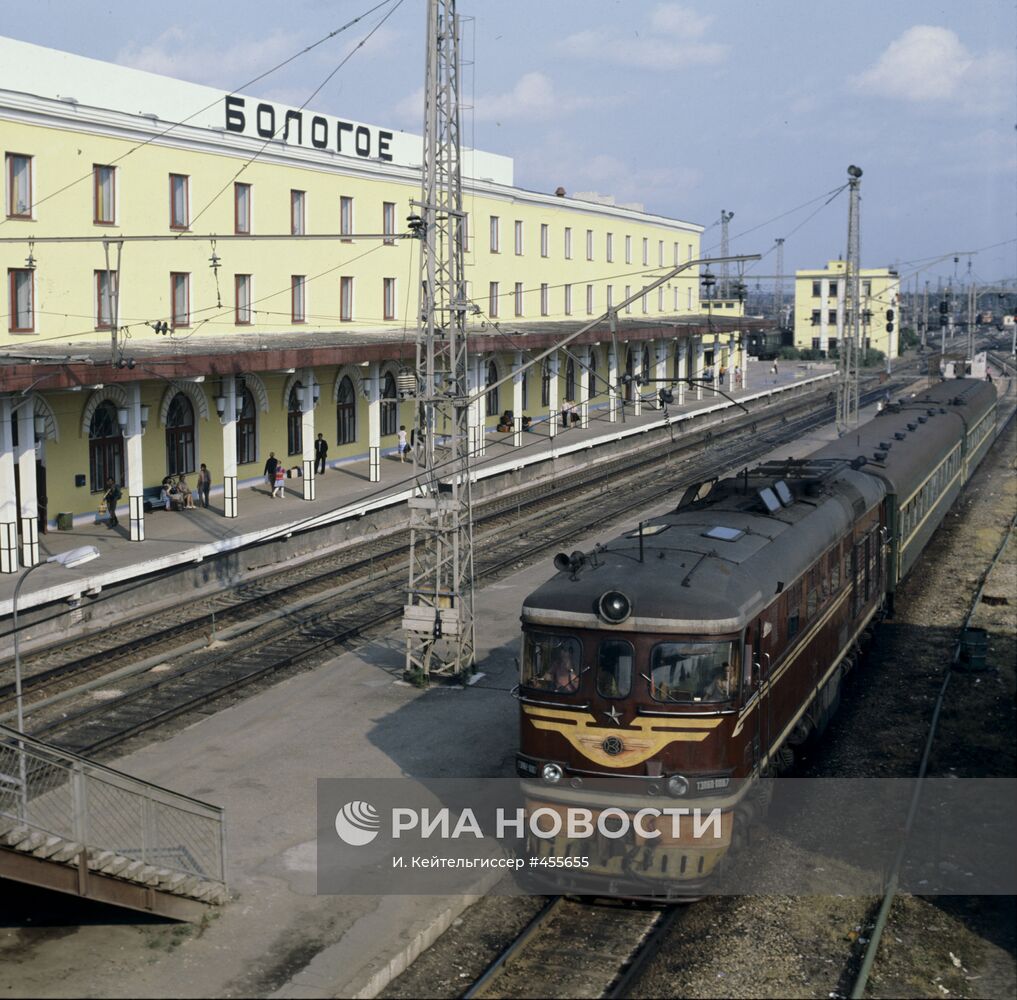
(912, 435)
(714, 563)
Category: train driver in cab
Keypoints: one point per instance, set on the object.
(719, 686)
(564, 675)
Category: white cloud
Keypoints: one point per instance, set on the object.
(931, 65)
(673, 39)
(177, 53)
(533, 98)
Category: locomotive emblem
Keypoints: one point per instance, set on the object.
(613, 746)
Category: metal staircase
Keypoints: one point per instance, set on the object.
(74, 826)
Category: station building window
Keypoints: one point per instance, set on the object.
(646, 251)
(592, 375)
(180, 211)
(609, 248)
(568, 243)
(105, 293)
(628, 292)
(519, 298)
(543, 299)
(298, 300)
(545, 235)
(493, 407)
(495, 235)
(247, 425)
(346, 218)
(19, 186)
(180, 436)
(298, 212)
(105, 447)
(568, 300)
(345, 299)
(816, 285)
(388, 298)
(389, 405)
(589, 244)
(242, 209)
(589, 300)
(180, 298)
(628, 249)
(243, 299)
(545, 382)
(519, 238)
(104, 195)
(388, 222)
(492, 300)
(346, 412)
(294, 422)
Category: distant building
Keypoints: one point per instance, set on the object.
(822, 310)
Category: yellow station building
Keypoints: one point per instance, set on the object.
(822, 310)
(200, 277)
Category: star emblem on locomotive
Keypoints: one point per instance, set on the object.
(614, 715)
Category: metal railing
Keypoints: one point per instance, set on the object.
(59, 794)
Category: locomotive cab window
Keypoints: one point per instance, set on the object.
(551, 663)
(614, 669)
(692, 672)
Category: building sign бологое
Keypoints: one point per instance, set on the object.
(315, 131)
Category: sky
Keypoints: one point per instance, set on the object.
(755, 107)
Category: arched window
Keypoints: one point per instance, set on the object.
(389, 405)
(646, 363)
(247, 425)
(294, 422)
(346, 413)
(570, 379)
(525, 376)
(545, 382)
(676, 360)
(105, 447)
(594, 387)
(629, 370)
(492, 396)
(180, 436)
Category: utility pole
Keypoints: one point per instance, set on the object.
(725, 273)
(847, 392)
(438, 615)
(925, 315)
(778, 285)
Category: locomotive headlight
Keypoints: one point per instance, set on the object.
(614, 607)
(677, 786)
(551, 773)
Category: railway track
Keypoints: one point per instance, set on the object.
(573, 949)
(88, 707)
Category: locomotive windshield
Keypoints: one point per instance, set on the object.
(692, 672)
(614, 668)
(551, 662)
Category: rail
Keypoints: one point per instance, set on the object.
(95, 808)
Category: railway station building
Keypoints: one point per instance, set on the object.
(194, 276)
(822, 310)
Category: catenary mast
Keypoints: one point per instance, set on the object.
(438, 615)
(850, 346)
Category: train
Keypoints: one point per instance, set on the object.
(686, 660)
(766, 344)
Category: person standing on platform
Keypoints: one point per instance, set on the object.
(204, 484)
(270, 466)
(279, 482)
(320, 454)
(404, 448)
(111, 498)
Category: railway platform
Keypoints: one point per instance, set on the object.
(346, 503)
(259, 759)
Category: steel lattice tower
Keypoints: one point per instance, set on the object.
(850, 346)
(778, 285)
(725, 251)
(438, 615)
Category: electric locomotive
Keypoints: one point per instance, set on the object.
(687, 659)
